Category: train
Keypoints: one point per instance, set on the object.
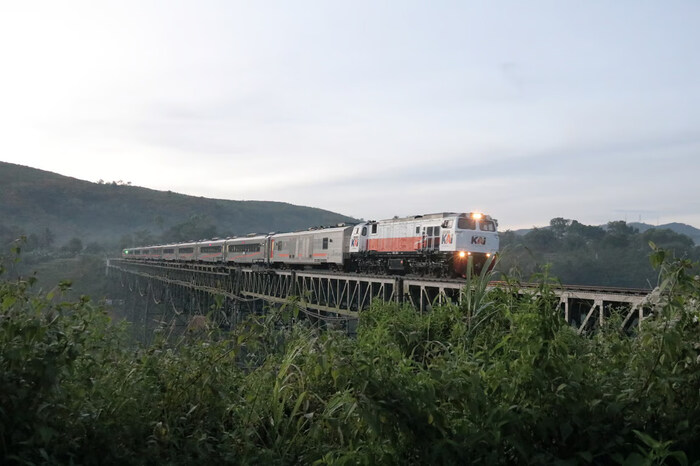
(435, 245)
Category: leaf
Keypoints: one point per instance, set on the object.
(647, 439)
(635, 459)
(680, 457)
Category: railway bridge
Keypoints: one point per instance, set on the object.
(225, 294)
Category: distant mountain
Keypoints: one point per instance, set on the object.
(33, 200)
(524, 231)
(681, 228)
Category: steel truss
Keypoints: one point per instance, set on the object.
(334, 295)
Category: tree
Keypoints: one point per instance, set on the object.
(143, 238)
(588, 232)
(47, 238)
(196, 227)
(32, 242)
(559, 226)
(126, 241)
(541, 239)
(620, 228)
(619, 234)
(73, 246)
(667, 239)
(94, 248)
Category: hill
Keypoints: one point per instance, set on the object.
(33, 200)
(614, 255)
(680, 228)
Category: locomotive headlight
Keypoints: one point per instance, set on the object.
(488, 254)
(462, 253)
(476, 216)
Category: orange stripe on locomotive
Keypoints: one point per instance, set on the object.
(400, 244)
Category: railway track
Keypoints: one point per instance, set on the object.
(450, 282)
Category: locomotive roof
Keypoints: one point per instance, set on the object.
(418, 217)
(438, 215)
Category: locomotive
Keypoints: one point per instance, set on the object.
(439, 245)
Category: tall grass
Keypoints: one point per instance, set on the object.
(499, 379)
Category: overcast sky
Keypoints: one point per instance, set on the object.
(524, 110)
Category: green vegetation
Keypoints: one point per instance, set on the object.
(500, 379)
(589, 255)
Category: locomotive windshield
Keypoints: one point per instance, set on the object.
(466, 223)
(487, 225)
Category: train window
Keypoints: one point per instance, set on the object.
(364, 231)
(430, 231)
(447, 224)
(210, 249)
(168, 251)
(325, 243)
(374, 228)
(280, 245)
(487, 226)
(244, 248)
(185, 250)
(417, 230)
(466, 223)
(145, 251)
(436, 231)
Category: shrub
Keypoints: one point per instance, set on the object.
(500, 379)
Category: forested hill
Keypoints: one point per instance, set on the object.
(33, 200)
(614, 255)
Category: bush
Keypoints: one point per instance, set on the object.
(500, 379)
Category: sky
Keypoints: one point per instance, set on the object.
(524, 110)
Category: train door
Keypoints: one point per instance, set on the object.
(266, 248)
(358, 238)
(363, 238)
(430, 238)
(304, 251)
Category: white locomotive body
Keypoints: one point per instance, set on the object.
(433, 244)
(440, 244)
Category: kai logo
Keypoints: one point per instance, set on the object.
(354, 243)
(479, 240)
(447, 238)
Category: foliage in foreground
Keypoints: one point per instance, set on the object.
(499, 380)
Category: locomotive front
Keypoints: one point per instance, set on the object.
(469, 237)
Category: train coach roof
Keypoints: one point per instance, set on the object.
(319, 231)
(243, 239)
